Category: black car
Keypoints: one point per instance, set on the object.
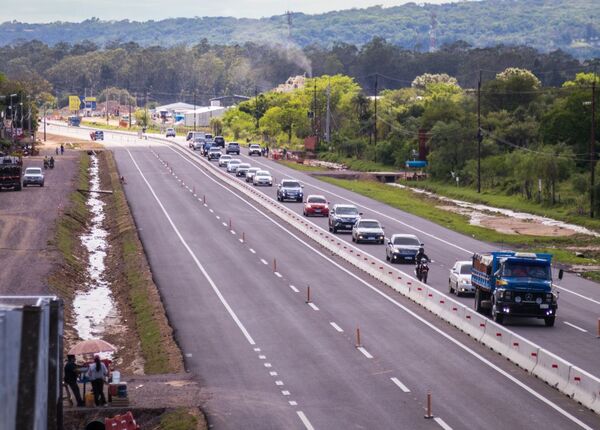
(402, 248)
(290, 189)
(233, 148)
(220, 141)
(343, 217)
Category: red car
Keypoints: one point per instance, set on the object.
(316, 205)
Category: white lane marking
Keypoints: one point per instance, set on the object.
(256, 349)
(294, 289)
(263, 261)
(365, 352)
(198, 264)
(205, 205)
(267, 365)
(391, 300)
(273, 373)
(224, 224)
(262, 357)
(293, 403)
(305, 420)
(252, 251)
(400, 385)
(442, 423)
(313, 306)
(218, 217)
(575, 327)
(336, 327)
(279, 383)
(577, 294)
(232, 231)
(277, 274)
(241, 240)
(211, 211)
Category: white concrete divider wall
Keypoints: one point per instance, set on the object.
(583, 387)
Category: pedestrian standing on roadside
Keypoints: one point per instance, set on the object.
(96, 373)
(62, 149)
(56, 150)
(71, 379)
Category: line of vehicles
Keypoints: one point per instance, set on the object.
(503, 283)
(12, 175)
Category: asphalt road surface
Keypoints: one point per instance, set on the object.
(267, 359)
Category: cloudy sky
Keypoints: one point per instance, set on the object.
(142, 10)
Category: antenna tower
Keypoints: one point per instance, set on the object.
(432, 28)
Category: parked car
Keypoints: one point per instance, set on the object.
(233, 148)
(316, 205)
(343, 217)
(402, 248)
(250, 173)
(368, 230)
(224, 159)
(214, 153)
(290, 189)
(241, 170)
(263, 177)
(171, 132)
(254, 149)
(460, 278)
(220, 141)
(232, 165)
(33, 176)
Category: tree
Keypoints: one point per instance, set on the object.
(512, 88)
(423, 81)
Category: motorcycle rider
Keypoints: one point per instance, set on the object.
(51, 162)
(420, 258)
(46, 162)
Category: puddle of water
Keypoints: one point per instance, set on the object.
(94, 303)
(477, 212)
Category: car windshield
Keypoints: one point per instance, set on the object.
(208, 136)
(213, 149)
(368, 224)
(33, 171)
(233, 144)
(254, 145)
(346, 210)
(465, 269)
(253, 170)
(406, 241)
(263, 173)
(316, 200)
(235, 162)
(526, 270)
(244, 166)
(290, 184)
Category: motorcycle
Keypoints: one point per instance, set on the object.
(422, 270)
(45, 164)
(51, 163)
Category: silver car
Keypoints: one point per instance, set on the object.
(368, 230)
(263, 177)
(224, 159)
(251, 172)
(232, 165)
(33, 176)
(460, 278)
(402, 248)
(242, 169)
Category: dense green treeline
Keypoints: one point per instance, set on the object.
(545, 25)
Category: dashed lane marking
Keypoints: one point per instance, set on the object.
(400, 385)
(442, 423)
(336, 327)
(575, 327)
(313, 306)
(365, 352)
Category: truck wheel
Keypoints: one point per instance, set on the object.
(477, 303)
(496, 316)
(18, 187)
(549, 321)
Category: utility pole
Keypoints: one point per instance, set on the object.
(327, 119)
(375, 124)
(479, 135)
(29, 120)
(107, 98)
(194, 110)
(256, 106)
(315, 111)
(593, 149)
(129, 103)
(45, 107)
(146, 112)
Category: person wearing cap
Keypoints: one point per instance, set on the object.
(96, 373)
(71, 379)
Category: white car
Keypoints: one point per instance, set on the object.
(263, 177)
(368, 230)
(251, 172)
(254, 149)
(224, 159)
(232, 165)
(460, 278)
(33, 176)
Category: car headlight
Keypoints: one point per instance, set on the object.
(380, 237)
(465, 282)
(360, 236)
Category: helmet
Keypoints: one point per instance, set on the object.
(421, 249)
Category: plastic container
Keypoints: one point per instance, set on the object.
(116, 377)
(89, 400)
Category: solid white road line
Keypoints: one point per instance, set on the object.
(364, 352)
(400, 385)
(294, 289)
(336, 327)
(442, 423)
(575, 327)
(305, 420)
(191, 253)
(313, 306)
(577, 294)
(396, 303)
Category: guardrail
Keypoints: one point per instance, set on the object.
(558, 373)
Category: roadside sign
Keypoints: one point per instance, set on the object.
(74, 103)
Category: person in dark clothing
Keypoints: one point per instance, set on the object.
(421, 256)
(62, 149)
(71, 379)
(97, 372)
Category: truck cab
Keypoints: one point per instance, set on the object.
(515, 284)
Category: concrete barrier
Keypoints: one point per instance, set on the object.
(473, 324)
(553, 370)
(523, 352)
(584, 388)
(496, 338)
(454, 313)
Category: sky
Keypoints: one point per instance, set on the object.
(33, 11)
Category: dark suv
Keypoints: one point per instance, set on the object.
(343, 217)
(220, 141)
(289, 189)
(233, 148)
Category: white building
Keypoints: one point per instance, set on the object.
(203, 115)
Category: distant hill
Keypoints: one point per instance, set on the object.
(547, 25)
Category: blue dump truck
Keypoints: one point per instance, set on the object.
(514, 284)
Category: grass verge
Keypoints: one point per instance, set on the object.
(178, 419)
(160, 352)
(425, 207)
(301, 167)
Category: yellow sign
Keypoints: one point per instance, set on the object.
(74, 103)
(90, 99)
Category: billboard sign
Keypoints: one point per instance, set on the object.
(74, 103)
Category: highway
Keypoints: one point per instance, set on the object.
(267, 359)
